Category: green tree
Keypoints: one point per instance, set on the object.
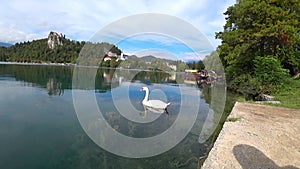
(159, 64)
(200, 65)
(260, 28)
(213, 62)
(181, 66)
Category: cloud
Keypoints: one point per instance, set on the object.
(15, 35)
(80, 20)
(192, 56)
(157, 53)
(184, 56)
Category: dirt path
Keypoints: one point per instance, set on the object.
(262, 137)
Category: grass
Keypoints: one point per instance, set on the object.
(289, 96)
(233, 119)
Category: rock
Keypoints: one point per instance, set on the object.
(267, 97)
(270, 101)
(296, 76)
(54, 39)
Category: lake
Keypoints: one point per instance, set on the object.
(46, 120)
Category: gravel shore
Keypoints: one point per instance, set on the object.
(257, 136)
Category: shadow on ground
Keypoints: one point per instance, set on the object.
(250, 157)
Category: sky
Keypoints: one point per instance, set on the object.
(81, 20)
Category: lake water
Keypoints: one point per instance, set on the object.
(39, 127)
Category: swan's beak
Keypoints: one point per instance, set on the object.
(141, 89)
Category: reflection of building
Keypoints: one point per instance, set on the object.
(190, 78)
(54, 88)
(172, 76)
(191, 71)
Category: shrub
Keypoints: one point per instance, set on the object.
(269, 73)
(268, 76)
(247, 85)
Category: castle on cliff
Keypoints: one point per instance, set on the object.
(54, 39)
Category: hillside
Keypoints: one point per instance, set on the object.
(67, 51)
(150, 58)
(37, 51)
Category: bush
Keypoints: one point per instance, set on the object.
(247, 85)
(268, 76)
(269, 73)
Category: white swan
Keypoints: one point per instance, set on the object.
(154, 104)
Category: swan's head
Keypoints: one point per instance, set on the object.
(144, 89)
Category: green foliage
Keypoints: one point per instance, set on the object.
(247, 85)
(159, 64)
(234, 119)
(133, 62)
(91, 54)
(268, 76)
(181, 66)
(260, 28)
(196, 65)
(268, 29)
(213, 62)
(269, 72)
(144, 63)
(289, 94)
(38, 51)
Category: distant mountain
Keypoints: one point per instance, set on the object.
(148, 58)
(5, 44)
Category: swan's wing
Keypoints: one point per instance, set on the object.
(158, 104)
(159, 111)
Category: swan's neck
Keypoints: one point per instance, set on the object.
(146, 96)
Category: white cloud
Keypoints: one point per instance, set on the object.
(193, 56)
(80, 20)
(157, 53)
(14, 35)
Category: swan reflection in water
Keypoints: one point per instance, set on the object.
(153, 110)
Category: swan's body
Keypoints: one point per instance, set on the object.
(153, 104)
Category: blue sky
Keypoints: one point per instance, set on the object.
(157, 45)
(81, 20)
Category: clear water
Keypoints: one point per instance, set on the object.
(39, 127)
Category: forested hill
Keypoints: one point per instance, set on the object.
(38, 51)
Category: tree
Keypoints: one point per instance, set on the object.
(38, 51)
(159, 64)
(181, 66)
(260, 28)
(212, 62)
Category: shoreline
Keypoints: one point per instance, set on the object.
(257, 136)
(75, 65)
(38, 64)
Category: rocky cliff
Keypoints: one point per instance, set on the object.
(54, 39)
